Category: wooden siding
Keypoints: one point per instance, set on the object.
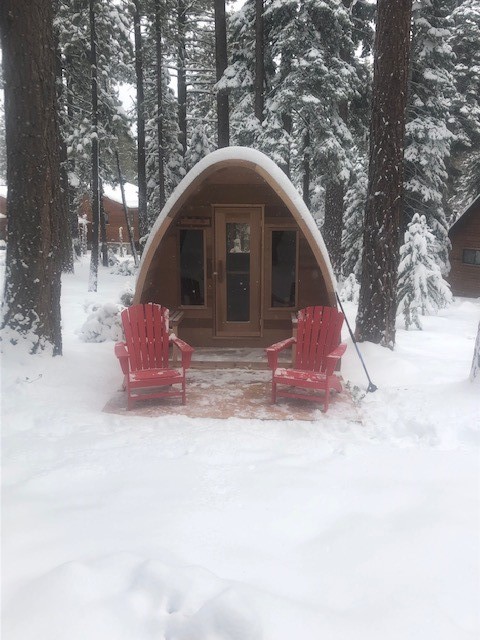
(116, 219)
(465, 234)
(162, 283)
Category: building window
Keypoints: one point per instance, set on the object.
(471, 256)
(192, 267)
(284, 268)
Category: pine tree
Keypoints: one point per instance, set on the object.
(465, 165)
(33, 268)
(421, 287)
(427, 136)
(355, 202)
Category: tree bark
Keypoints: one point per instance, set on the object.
(125, 210)
(182, 74)
(259, 84)
(141, 156)
(333, 222)
(221, 61)
(33, 268)
(65, 218)
(378, 299)
(475, 370)
(103, 229)
(161, 151)
(95, 186)
(306, 167)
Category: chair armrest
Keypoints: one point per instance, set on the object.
(333, 357)
(121, 352)
(185, 349)
(274, 350)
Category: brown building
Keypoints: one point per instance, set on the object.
(114, 213)
(464, 235)
(236, 250)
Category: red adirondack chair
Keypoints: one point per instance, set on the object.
(317, 353)
(144, 357)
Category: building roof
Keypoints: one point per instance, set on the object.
(472, 207)
(115, 194)
(3, 190)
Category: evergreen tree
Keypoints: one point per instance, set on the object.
(465, 165)
(421, 287)
(355, 202)
(427, 136)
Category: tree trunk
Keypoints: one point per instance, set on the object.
(33, 269)
(125, 210)
(66, 247)
(475, 370)
(103, 229)
(306, 167)
(182, 74)
(141, 168)
(259, 84)
(333, 222)
(221, 61)
(378, 299)
(95, 187)
(161, 151)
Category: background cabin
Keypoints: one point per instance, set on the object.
(464, 235)
(235, 250)
(114, 212)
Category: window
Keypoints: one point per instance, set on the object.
(471, 256)
(284, 268)
(192, 267)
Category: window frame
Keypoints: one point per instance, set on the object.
(204, 246)
(269, 267)
(477, 257)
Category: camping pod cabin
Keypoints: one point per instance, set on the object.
(236, 250)
(464, 235)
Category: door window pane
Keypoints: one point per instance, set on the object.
(238, 271)
(192, 269)
(284, 268)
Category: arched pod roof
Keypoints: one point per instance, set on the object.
(273, 176)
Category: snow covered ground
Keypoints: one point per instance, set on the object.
(360, 526)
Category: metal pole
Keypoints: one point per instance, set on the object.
(371, 387)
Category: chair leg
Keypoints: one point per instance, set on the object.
(326, 400)
(274, 392)
(184, 392)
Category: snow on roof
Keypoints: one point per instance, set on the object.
(115, 194)
(3, 190)
(268, 166)
(471, 206)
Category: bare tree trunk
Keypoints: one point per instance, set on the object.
(221, 60)
(93, 277)
(141, 161)
(333, 222)
(32, 287)
(378, 299)
(65, 220)
(125, 209)
(306, 167)
(475, 370)
(259, 84)
(182, 74)
(103, 229)
(161, 151)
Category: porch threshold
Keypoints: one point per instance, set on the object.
(234, 358)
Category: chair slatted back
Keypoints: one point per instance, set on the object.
(146, 334)
(318, 334)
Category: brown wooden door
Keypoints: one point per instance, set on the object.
(238, 234)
